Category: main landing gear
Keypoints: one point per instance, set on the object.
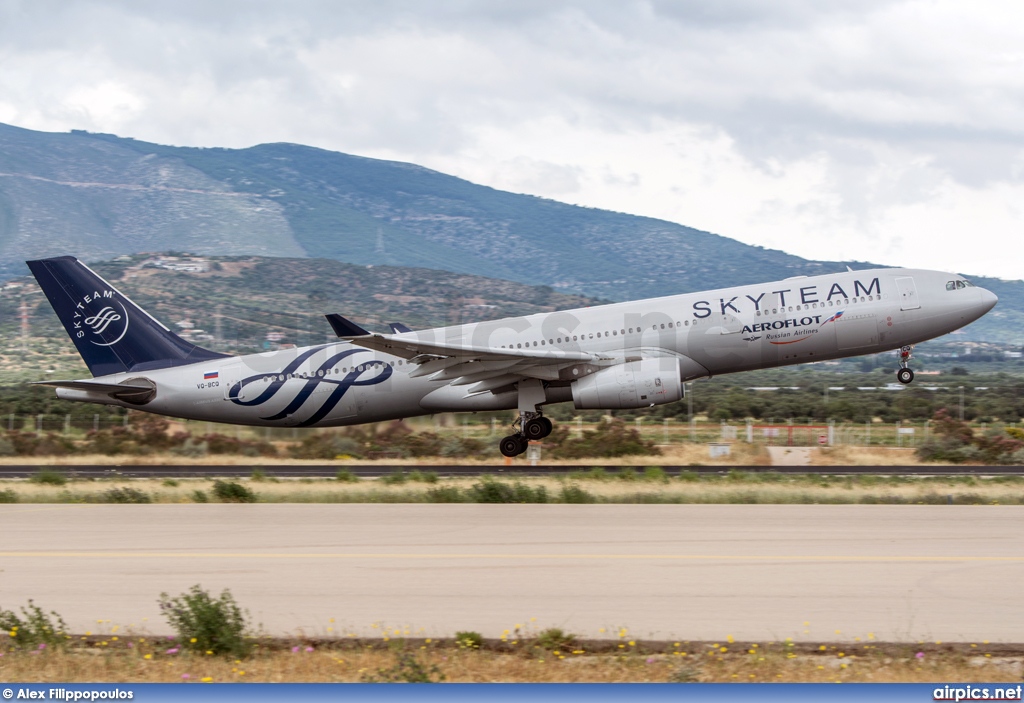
(905, 375)
(529, 426)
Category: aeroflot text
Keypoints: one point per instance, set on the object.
(977, 693)
(782, 324)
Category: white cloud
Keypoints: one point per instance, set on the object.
(886, 131)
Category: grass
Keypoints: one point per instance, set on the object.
(595, 486)
(139, 659)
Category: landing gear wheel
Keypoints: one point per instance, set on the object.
(513, 445)
(904, 376)
(537, 428)
(547, 426)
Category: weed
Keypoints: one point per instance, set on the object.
(687, 673)
(231, 492)
(555, 638)
(49, 477)
(125, 495)
(8, 496)
(689, 476)
(469, 640)
(346, 476)
(394, 479)
(407, 669)
(445, 494)
(655, 473)
(571, 493)
(170, 482)
(207, 624)
(491, 491)
(200, 496)
(35, 628)
(423, 476)
(627, 474)
(258, 475)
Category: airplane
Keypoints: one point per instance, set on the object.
(618, 356)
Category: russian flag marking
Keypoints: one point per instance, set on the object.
(210, 374)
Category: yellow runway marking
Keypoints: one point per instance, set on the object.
(636, 557)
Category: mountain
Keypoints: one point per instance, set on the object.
(98, 196)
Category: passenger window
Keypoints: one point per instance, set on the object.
(687, 323)
(542, 342)
(670, 325)
(574, 338)
(599, 335)
(519, 346)
(662, 325)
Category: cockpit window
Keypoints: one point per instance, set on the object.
(960, 284)
(969, 284)
(950, 285)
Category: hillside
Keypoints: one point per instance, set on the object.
(98, 196)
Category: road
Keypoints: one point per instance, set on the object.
(756, 572)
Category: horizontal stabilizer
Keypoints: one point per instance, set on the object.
(398, 328)
(345, 328)
(127, 392)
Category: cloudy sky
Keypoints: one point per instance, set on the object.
(853, 129)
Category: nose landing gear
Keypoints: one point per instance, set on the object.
(529, 426)
(905, 375)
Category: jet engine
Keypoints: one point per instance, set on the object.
(636, 384)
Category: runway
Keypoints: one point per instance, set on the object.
(682, 572)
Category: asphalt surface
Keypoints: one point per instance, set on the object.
(14, 471)
(702, 572)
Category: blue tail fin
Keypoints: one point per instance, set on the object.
(112, 333)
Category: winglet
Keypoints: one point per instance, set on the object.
(345, 328)
(398, 328)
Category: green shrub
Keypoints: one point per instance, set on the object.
(396, 478)
(571, 493)
(346, 476)
(125, 495)
(8, 496)
(258, 475)
(627, 474)
(231, 492)
(689, 476)
(206, 624)
(609, 439)
(555, 638)
(469, 640)
(445, 494)
(49, 477)
(655, 473)
(169, 482)
(407, 669)
(423, 476)
(491, 491)
(199, 496)
(34, 628)
(686, 673)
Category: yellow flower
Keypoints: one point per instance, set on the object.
(193, 640)
(206, 679)
(148, 656)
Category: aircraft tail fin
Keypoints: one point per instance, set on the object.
(113, 334)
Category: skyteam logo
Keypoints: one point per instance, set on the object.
(367, 373)
(109, 322)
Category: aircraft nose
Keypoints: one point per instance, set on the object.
(988, 300)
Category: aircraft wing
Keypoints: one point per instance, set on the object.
(487, 368)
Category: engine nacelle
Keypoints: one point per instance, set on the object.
(636, 384)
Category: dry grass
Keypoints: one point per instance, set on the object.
(864, 456)
(141, 661)
(731, 488)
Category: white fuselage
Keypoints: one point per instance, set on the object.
(713, 332)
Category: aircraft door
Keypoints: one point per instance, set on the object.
(908, 293)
